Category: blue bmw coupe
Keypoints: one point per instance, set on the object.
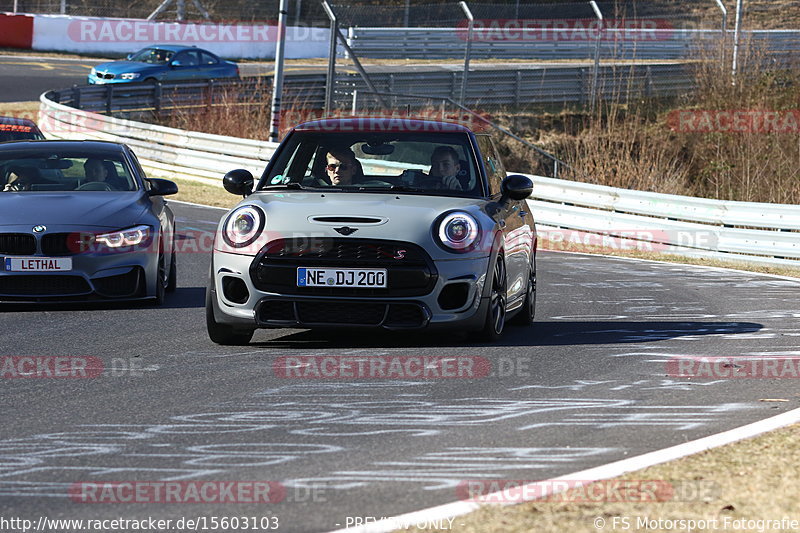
(164, 63)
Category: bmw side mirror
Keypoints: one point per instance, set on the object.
(175, 63)
(161, 187)
(517, 187)
(238, 182)
(128, 57)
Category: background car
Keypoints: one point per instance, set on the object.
(79, 220)
(352, 224)
(18, 129)
(164, 62)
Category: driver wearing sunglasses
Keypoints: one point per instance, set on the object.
(341, 167)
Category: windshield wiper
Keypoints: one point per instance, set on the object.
(405, 188)
(292, 185)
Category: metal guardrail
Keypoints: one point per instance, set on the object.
(307, 90)
(698, 227)
(532, 86)
(450, 43)
(544, 86)
(753, 232)
(164, 152)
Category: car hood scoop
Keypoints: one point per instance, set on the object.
(355, 220)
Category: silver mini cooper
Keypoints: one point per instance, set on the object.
(376, 223)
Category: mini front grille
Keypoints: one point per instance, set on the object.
(361, 314)
(17, 244)
(309, 313)
(410, 271)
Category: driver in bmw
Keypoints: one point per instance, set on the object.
(96, 170)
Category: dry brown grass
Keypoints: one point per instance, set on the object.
(754, 479)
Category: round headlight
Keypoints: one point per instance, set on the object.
(458, 231)
(243, 226)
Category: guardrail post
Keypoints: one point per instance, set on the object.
(518, 88)
(109, 98)
(210, 95)
(76, 97)
(157, 91)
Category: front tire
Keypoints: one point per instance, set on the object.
(496, 311)
(172, 279)
(526, 314)
(222, 333)
(160, 275)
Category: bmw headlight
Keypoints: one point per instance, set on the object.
(129, 75)
(457, 231)
(127, 237)
(93, 72)
(243, 226)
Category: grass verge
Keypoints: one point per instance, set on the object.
(744, 481)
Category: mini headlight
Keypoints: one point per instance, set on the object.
(129, 75)
(126, 237)
(243, 226)
(458, 231)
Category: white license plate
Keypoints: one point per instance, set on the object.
(38, 264)
(367, 278)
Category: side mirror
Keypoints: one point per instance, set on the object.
(128, 57)
(238, 182)
(161, 187)
(517, 187)
(176, 63)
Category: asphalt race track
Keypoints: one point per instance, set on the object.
(587, 385)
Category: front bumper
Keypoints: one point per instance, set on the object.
(95, 275)
(453, 300)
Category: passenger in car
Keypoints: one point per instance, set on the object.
(21, 178)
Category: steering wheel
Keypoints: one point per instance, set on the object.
(94, 186)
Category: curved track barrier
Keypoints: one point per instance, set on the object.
(565, 210)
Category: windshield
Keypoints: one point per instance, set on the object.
(374, 162)
(19, 132)
(64, 172)
(152, 55)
